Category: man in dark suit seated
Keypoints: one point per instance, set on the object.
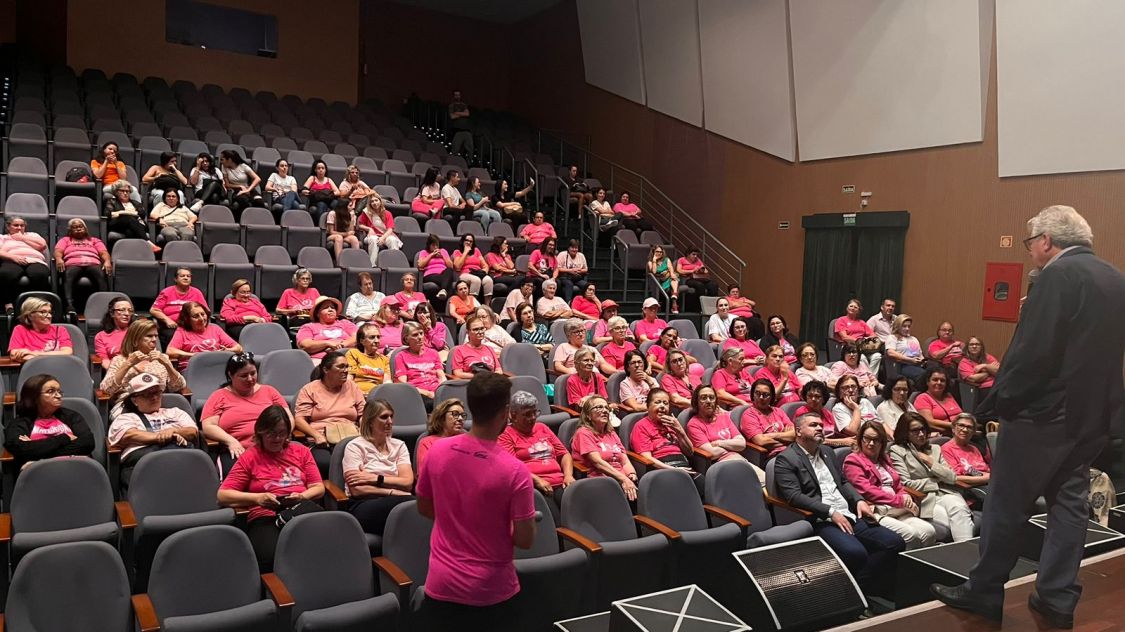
(808, 478)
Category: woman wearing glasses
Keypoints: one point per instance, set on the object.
(851, 409)
(36, 335)
(598, 449)
(765, 425)
(43, 429)
(711, 429)
(896, 401)
(447, 420)
(634, 389)
(118, 316)
(140, 355)
(143, 426)
(870, 472)
(377, 469)
(922, 466)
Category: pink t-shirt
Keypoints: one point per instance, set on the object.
(291, 299)
(634, 390)
(748, 346)
(792, 392)
(420, 370)
(235, 311)
(826, 417)
(213, 338)
(650, 436)
(856, 328)
(586, 306)
(608, 446)
(565, 353)
(676, 386)
(645, 330)
(436, 264)
(739, 385)
(965, 369)
(945, 410)
(391, 336)
(755, 422)
(86, 252)
(688, 267)
(108, 344)
(536, 233)
(473, 261)
(171, 301)
(658, 354)
(964, 461)
(464, 356)
(576, 389)
(23, 337)
(720, 428)
(291, 471)
(544, 264)
(478, 491)
(937, 346)
(409, 302)
(615, 354)
(237, 414)
(339, 330)
(628, 210)
(47, 428)
(494, 260)
(540, 451)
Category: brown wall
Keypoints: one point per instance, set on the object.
(8, 24)
(318, 50)
(408, 49)
(959, 207)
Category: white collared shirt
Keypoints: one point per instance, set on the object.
(829, 492)
(1058, 254)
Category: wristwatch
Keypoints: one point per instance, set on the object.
(379, 481)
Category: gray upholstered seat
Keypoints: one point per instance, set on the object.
(72, 587)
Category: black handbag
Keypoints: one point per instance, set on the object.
(301, 508)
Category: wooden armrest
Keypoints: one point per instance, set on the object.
(102, 395)
(581, 467)
(9, 399)
(777, 502)
(579, 540)
(401, 580)
(145, 613)
(211, 443)
(640, 458)
(6, 362)
(563, 409)
(125, 514)
(5, 456)
(700, 452)
(718, 512)
(915, 494)
(277, 590)
(186, 392)
(335, 492)
(113, 450)
(653, 525)
(297, 434)
(5, 527)
(750, 445)
(1, 623)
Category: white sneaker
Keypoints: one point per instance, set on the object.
(196, 206)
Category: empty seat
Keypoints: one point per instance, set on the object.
(275, 272)
(300, 231)
(27, 175)
(259, 229)
(337, 166)
(329, 278)
(262, 338)
(733, 486)
(71, 144)
(25, 139)
(134, 265)
(288, 371)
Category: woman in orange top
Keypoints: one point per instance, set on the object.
(109, 168)
(462, 304)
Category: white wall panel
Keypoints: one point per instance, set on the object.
(1060, 85)
(670, 44)
(747, 94)
(874, 76)
(611, 46)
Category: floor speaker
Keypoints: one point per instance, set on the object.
(945, 564)
(1117, 518)
(683, 609)
(1099, 539)
(794, 586)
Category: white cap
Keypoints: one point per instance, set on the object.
(650, 302)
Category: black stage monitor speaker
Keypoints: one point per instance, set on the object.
(946, 564)
(799, 585)
(598, 622)
(684, 609)
(1117, 518)
(1099, 539)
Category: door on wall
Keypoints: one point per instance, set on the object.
(849, 255)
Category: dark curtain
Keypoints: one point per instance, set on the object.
(879, 262)
(829, 280)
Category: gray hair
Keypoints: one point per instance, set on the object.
(8, 219)
(573, 325)
(121, 184)
(551, 283)
(522, 400)
(1063, 225)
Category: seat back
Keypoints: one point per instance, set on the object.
(182, 252)
(613, 387)
(406, 541)
(203, 570)
(71, 372)
(546, 538)
(229, 253)
(323, 560)
(336, 463)
(205, 374)
(567, 430)
(173, 482)
(405, 399)
(262, 338)
(70, 587)
(597, 508)
(96, 307)
(685, 327)
(699, 349)
(85, 407)
(521, 359)
(671, 498)
(314, 257)
(287, 370)
(78, 484)
(625, 430)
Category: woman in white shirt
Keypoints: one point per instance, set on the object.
(377, 471)
(904, 348)
(495, 336)
(809, 370)
(896, 401)
(718, 326)
(362, 306)
(283, 187)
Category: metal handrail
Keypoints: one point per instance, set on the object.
(675, 224)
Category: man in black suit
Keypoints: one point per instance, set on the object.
(1057, 391)
(808, 478)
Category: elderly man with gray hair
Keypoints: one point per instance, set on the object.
(550, 463)
(1055, 395)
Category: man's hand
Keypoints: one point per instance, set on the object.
(841, 521)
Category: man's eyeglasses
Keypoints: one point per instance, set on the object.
(1027, 242)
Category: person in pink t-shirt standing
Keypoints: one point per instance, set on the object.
(482, 502)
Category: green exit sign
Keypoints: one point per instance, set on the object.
(849, 219)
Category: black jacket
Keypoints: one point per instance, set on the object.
(1065, 359)
(797, 485)
(60, 445)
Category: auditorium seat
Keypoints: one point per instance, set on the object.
(186, 254)
(32, 207)
(229, 262)
(405, 561)
(205, 374)
(27, 175)
(732, 485)
(552, 578)
(410, 412)
(287, 370)
(354, 261)
(329, 278)
(300, 232)
(259, 229)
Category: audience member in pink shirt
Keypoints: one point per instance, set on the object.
(977, 366)
(937, 404)
(660, 439)
(436, 266)
(740, 338)
(80, 256)
(732, 379)
(678, 380)
(537, 230)
(964, 458)
(614, 351)
(242, 308)
(195, 334)
(650, 325)
(785, 382)
(419, 366)
(765, 425)
(472, 268)
(946, 349)
(35, 335)
(629, 215)
(21, 254)
(297, 302)
(597, 449)
(711, 429)
(327, 331)
(586, 305)
(231, 411)
(474, 351)
(447, 420)
(482, 502)
(533, 443)
(272, 471)
(851, 329)
(166, 308)
(115, 322)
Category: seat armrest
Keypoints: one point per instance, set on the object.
(700, 452)
(125, 516)
(396, 575)
(101, 395)
(777, 502)
(756, 448)
(579, 540)
(728, 516)
(5, 527)
(658, 527)
(145, 613)
(640, 458)
(563, 409)
(5, 456)
(9, 399)
(335, 494)
(277, 591)
(914, 493)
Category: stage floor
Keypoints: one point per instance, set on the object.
(1102, 608)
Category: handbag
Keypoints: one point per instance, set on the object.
(893, 512)
(871, 344)
(337, 431)
(301, 508)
